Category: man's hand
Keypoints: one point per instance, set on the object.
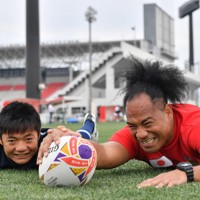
(168, 179)
(53, 136)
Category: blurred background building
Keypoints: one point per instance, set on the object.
(65, 70)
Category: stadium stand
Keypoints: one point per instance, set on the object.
(18, 90)
(5, 87)
(51, 88)
(19, 87)
(58, 61)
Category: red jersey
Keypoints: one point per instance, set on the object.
(185, 145)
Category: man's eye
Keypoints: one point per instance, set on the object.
(132, 126)
(148, 124)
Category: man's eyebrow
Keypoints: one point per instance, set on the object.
(148, 118)
(143, 121)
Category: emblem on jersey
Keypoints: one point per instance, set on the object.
(161, 162)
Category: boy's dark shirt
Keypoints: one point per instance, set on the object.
(6, 163)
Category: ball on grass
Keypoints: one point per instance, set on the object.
(71, 163)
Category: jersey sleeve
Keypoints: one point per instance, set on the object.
(43, 134)
(125, 138)
(44, 130)
(194, 141)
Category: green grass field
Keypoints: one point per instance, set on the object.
(119, 183)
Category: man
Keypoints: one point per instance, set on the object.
(21, 135)
(51, 112)
(161, 131)
(118, 114)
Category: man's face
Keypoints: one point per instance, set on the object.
(20, 147)
(150, 124)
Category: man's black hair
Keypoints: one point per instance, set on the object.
(158, 80)
(18, 117)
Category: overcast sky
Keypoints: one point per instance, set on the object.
(64, 20)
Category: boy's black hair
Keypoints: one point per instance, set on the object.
(18, 117)
(157, 80)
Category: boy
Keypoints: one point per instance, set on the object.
(21, 135)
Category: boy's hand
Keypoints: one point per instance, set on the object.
(53, 136)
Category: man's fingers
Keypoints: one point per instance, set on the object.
(49, 131)
(44, 147)
(53, 136)
(63, 128)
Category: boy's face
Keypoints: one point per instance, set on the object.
(20, 147)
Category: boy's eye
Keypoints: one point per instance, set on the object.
(11, 141)
(29, 139)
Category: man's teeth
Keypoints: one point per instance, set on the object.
(148, 141)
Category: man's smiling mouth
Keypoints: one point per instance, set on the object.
(147, 141)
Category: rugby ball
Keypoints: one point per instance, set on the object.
(71, 163)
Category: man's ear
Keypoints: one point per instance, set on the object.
(1, 141)
(168, 110)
